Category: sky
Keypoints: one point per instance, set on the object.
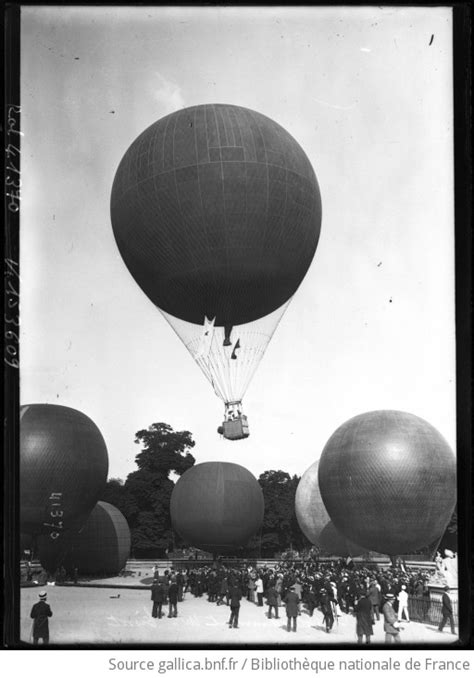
(367, 93)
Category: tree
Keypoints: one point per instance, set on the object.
(114, 493)
(144, 498)
(280, 527)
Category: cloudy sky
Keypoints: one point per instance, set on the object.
(367, 92)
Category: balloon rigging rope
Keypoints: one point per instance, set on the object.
(229, 377)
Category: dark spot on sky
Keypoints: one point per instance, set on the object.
(111, 111)
(76, 58)
(432, 38)
(379, 264)
(390, 300)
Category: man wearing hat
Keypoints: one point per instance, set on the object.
(446, 611)
(375, 597)
(158, 596)
(173, 597)
(327, 609)
(291, 600)
(40, 613)
(365, 618)
(390, 626)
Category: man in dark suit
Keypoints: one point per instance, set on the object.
(158, 596)
(235, 596)
(173, 597)
(365, 618)
(446, 611)
(325, 603)
(272, 600)
(291, 601)
(40, 613)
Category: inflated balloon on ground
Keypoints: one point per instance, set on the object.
(314, 520)
(217, 506)
(63, 469)
(388, 481)
(102, 545)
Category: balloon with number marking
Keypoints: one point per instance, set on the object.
(63, 469)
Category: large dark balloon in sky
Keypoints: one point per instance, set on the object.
(217, 506)
(216, 211)
(314, 520)
(63, 469)
(388, 481)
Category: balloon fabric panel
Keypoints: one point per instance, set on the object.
(216, 211)
(217, 506)
(388, 480)
(63, 468)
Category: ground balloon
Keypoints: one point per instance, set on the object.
(314, 520)
(63, 469)
(102, 545)
(217, 506)
(388, 480)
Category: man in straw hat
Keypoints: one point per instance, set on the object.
(391, 625)
(40, 613)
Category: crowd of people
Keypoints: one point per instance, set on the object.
(367, 592)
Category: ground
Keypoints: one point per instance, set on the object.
(83, 615)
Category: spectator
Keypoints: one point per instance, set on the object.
(272, 601)
(158, 597)
(365, 619)
(375, 598)
(40, 613)
(292, 608)
(403, 604)
(446, 611)
(391, 626)
(235, 595)
(327, 609)
(259, 590)
(173, 598)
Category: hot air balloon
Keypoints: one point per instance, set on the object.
(217, 506)
(388, 479)
(314, 520)
(216, 211)
(102, 545)
(63, 470)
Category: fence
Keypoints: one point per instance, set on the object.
(428, 610)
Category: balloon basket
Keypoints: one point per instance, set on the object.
(235, 429)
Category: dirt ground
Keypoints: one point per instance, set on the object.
(120, 616)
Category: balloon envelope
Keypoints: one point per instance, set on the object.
(217, 506)
(314, 520)
(388, 480)
(102, 545)
(63, 469)
(216, 212)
